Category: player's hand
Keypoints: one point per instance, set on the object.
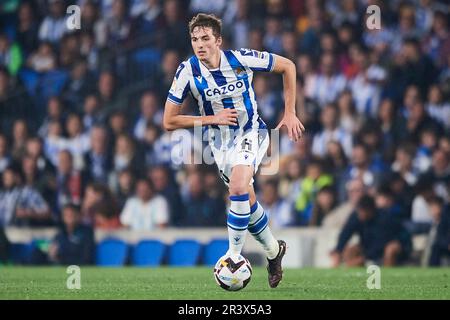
(226, 117)
(294, 126)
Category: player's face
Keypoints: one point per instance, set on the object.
(204, 43)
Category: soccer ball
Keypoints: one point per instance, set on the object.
(232, 272)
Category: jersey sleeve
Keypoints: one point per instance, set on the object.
(256, 60)
(180, 85)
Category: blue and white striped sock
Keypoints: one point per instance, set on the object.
(238, 219)
(259, 228)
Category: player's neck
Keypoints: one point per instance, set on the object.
(214, 62)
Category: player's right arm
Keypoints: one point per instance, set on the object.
(173, 119)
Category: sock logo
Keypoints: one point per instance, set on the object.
(236, 239)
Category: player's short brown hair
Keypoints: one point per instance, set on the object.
(207, 21)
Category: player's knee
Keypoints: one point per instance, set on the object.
(237, 188)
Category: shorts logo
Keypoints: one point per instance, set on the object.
(227, 90)
(246, 145)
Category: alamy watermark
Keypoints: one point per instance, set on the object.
(188, 148)
(73, 21)
(373, 21)
(374, 280)
(74, 279)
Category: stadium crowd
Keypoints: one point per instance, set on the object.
(82, 144)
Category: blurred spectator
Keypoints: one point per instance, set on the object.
(267, 100)
(79, 83)
(53, 27)
(329, 83)
(418, 120)
(176, 35)
(406, 27)
(97, 160)
(125, 187)
(77, 141)
(106, 216)
(93, 23)
(421, 218)
(437, 43)
(439, 174)
(366, 85)
(392, 126)
(437, 108)
(110, 100)
(412, 67)
(5, 158)
(90, 52)
(336, 159)
(21, 205)
(349, 119)
(440, 231)
(331, 132)
(19, 137)
(354, 189)
(273, 35)
(148, 20)
(149, 113)
(118, 123)
(53, 141)
(27, 28)
(74, 244)
(316, 178)
(96, 197)
(34, 148)
(10, 55)
(277, 209)
(324, 204)
(237, 22)
(163, 184)
(289, 186)
(164, 76)
(55, 112)
(361, 167)
(33, 178)
(403, 164)
(378, 233)
(126, 155)
(92, 114)
(118, 25)
(69, 181)
(145, 211)
(199, 208)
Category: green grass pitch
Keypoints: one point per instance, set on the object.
(198, 283)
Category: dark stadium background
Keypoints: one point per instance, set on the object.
(67, 96)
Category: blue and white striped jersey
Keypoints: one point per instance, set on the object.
(229, 86)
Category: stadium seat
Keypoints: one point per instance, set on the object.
(111, 253)
(20, 253)
(148, 253)
(145, 62)
(184, 253)
(214, 250)
(30, 79)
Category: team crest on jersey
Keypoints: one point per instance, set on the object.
(239, 71)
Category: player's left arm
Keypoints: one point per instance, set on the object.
(287, 68)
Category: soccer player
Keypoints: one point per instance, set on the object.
(221, 84)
